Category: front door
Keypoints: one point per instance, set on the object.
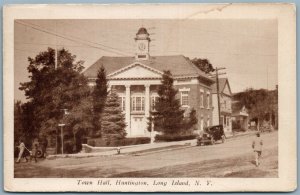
(138, 126)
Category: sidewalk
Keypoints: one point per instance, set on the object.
(160, 146)
(130, 149)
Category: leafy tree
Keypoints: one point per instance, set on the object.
(203, 64)
(259, 103)
(18, 126)
(168, 117)
(99, 98)
(52, 89)
(191, 121)
(113, 120)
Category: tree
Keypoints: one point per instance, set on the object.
(191, 121)
(99, 98)
(261, 103)
(168, 117)
(52, 89)
(203, 64)
(18, 122)
(113, 120)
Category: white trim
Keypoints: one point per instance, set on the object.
(135, 82)
(184, 89)
(133, 65)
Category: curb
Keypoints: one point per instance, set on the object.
(102, 154)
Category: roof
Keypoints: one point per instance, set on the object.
(222, 84)
(237, 108)
(142, 30)
(179, 65)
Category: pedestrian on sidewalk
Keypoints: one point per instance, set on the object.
(44, 144)
(21, 151)
(257, 148)
(34, 150)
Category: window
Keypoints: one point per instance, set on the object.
(201, 99)
(207, 100)
(122, 103)
(208, 121)
(154, 99)
(201, 124)
(184, 98)
(224, 122)
(138, 103)
(228, 121)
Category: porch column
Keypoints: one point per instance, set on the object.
(109, 88)
(127, 109)
(147, 100)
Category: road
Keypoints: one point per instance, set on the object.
(234, 158)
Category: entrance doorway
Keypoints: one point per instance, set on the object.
(138, 126)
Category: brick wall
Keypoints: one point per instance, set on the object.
(194, 102)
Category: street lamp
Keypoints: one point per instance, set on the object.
(65, 112)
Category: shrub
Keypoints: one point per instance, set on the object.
(114, 141)
(136, 141)
(175, 137)
(69, 146)
(91, 142)
(236, 125)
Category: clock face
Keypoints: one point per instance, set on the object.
(142, 46)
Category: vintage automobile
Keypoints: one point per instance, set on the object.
(266, 128)
(210, 135)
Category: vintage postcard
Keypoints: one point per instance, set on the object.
(150, 98)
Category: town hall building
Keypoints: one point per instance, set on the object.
(136, 80)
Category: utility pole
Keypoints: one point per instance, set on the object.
(218, 92)
(55, 46)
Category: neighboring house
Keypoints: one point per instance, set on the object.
(136, 80)
(240, 116)
(225, 96)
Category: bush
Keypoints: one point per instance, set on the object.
(135, 141)
(69, 146)
(114, 141)
(236, 125)
(175, 137)
(91, 142)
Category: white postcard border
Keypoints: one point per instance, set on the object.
(284, 13)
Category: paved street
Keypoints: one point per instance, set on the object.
(231, 159)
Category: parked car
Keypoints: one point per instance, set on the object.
(266, 128)
(210, 135)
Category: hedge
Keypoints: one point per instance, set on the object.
(165, 137)
(112, 142)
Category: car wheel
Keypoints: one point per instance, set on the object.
(39, 153)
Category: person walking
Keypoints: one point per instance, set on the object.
(34, 150)
(21, 151)
(257, 148)
(44, 144)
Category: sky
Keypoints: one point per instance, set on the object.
(248, 49)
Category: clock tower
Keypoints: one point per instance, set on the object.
(142, 40)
